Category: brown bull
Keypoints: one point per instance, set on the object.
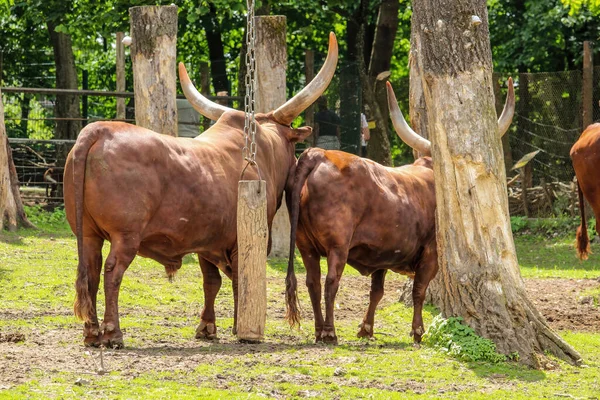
(374, 218)
(163, 197)
(585, 155)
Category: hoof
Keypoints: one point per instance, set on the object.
(206, 330)
(416, 345)
(114, 342)
(329, 337)
(91, 337)
(111, 338)
(366, 331)
(417, 334)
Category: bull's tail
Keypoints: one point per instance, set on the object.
(83, 302)
(582, 239)
(303, 169)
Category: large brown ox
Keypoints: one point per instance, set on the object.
(164, 197)
(585, 155)
(375, 218)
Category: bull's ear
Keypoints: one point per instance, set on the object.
(295, 135)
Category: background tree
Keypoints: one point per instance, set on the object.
(479, 272)
(12, 214)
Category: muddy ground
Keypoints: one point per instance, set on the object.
(561, 301)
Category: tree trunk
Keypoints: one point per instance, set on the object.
(374, 91)
(66, 106)
(12, 214)
(218, 67)
(153, 50)
(271, 64)
(479, 273)
(416, 99)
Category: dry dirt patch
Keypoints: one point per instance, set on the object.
(562, 303)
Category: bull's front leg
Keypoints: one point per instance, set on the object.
(375, 296)
(122, 252)
(211, 281)
(336, 261)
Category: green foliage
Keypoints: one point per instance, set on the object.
(518, 223)
(48, 219)
(538, 35)
(576, 6)
(549, 227)
(458, 340)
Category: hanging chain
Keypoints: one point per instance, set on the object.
(249, 151)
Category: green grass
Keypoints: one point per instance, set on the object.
(163, 360)
(542, 257)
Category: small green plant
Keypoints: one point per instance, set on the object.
(458, 340)
(517, 223)
(40, 217)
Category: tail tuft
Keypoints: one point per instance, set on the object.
(582, 243)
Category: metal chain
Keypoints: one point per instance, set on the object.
(249, 152)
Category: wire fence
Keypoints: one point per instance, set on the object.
(548, 119)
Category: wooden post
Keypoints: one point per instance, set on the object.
(588, 82)
(252, 234)
(526, 183)
(271, 64)
(84, 98)
(154, 38)
(309, 73)
(205, 88)
(120, 75)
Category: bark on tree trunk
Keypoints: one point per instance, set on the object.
(153, 50)
(416, 99)
(271, 64)
(12, 214)
(479, 273)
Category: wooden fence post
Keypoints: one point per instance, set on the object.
(252, 234)
(309, 73)
(153, 50)
(205, 89)
(252, 229)
(271, 65)
(588, 82)
(120, 47)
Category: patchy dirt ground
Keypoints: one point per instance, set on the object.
(43, 353)
(564, 304)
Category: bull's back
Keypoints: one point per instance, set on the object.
(156, 186)
(348, 200)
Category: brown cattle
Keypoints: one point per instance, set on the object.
(585, 155)
(164, 197)
(374, 218)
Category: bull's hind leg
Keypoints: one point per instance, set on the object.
(425, 272)
(336, 261)
(375, 296)
(211, 282)
(122, 252)
(92, 249)
(311, 260)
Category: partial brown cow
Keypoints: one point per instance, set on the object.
(374, 218)
(163, 197)
(585, 155)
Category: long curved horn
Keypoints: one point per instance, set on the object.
(405, 132)
(286, 113)
(509, 110)
(204, 106)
